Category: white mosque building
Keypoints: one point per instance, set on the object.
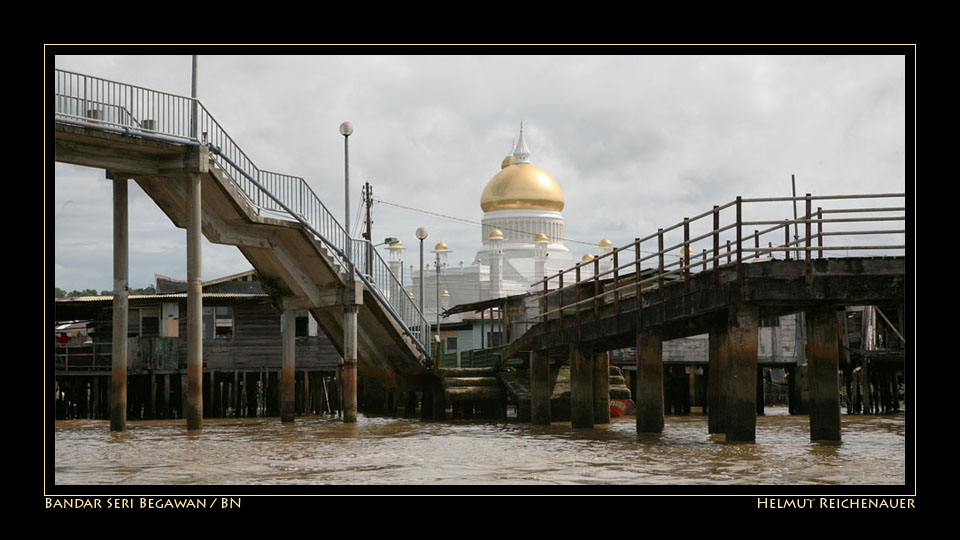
(522, 241)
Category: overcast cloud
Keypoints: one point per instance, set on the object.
(635, 142)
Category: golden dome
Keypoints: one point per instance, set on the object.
(507, 161)
(540, 238)
(496, 233)
(605, 243)
(440, 245)
(522, 186)
(398, 243)
(587, 257)
(445, 293)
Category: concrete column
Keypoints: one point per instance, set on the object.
(350, 364)
(601, 387)
(540, 388)
(194, 405)
(743, 323)
(581, 387)
(649, 398)
(823, 372)
(716, 386)
(288, 366)
(118, 394)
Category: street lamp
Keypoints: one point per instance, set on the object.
(346, 129)
(421, 235)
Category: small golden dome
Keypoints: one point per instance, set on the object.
(507, 161)
(398, 243)
(496, 233)
(410, 294)
(540, 238)
(522, 186)
(605, 243)
(440, 246)
(587, 257)
(445, 293)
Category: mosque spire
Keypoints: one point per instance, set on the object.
(521, 154)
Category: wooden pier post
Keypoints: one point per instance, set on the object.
(823, 371)
(581, 387)
(601, 387)
(743, 322)
(194, 404)
(540, 388)
(350, 363)
(118, 395)
(649, 398)
(288, 366)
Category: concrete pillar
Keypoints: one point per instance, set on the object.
(288, 366)
(823, 372)
(649, 398)
(194, 405)
(716, 385)
(118, 394)
(743, 323)
(601, 387)
(350, 363)
(581, 387)
(540, 388)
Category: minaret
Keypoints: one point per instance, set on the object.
(495, 241)
(521, 153)
(395, 264)
(539, 256)
(606, 247)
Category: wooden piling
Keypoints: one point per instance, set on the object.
(649, 396)
(350, 364)
(823, 358)
(716, 380)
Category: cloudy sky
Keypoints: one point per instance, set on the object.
(636, 142)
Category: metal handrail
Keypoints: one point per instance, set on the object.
(101, 103)
(567, 296)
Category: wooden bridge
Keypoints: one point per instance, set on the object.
(181, 157)
(721, 280)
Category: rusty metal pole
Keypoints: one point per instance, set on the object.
(739, 240)
(820, 232)
(194, 405)
(685, 256)
(118, 401)
(716, 244)
(288, 365)
(808, 265)
(660, 267)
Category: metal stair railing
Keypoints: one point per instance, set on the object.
(100, 103)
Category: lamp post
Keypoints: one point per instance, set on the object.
(422, 235)
(346, 129)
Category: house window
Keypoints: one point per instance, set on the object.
(217, 322)
(494, 339)
(223, 322)
(303, 323)
(451, 344)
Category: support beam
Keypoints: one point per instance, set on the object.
(350, 364)
(194, 405)
(118, 401)
(823, 365)
(716, 380)
(743, 324)
(288, 366)
(581, 387)
(649, 398)
(540, 388)
(601, 387)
